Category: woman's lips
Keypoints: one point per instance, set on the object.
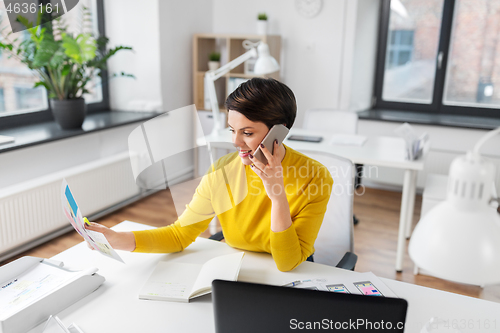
(244, 153)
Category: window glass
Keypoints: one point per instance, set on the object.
(16, 80)
(2, 101)
(13, 75)
(473, 69)
(28, 98)
(411, 50)
(78, 24)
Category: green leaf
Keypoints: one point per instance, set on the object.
(66, 69)
(81, 49)
(24, 21)
(102, 41)
(42, 84)
(48, 54)
(6, 46)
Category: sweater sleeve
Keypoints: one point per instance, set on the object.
(294, 245)
(176, 237)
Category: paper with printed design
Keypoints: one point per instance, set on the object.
(361, 283)
(72, 212)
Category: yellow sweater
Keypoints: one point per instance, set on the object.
(237, 196)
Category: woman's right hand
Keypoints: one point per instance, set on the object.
(119, 240)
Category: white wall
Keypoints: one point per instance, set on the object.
(363, 56)
(138, 26)
(312, 47)
(161, 34)
(179, 20)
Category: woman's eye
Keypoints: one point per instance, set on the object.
(231, 130)
(248, 134)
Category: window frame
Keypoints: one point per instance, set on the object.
(35, 117)
(436, 106)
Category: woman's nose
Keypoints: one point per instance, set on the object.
(238, 141)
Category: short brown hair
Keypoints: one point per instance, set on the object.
(265, 100)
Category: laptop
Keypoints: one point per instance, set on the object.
(248, 307)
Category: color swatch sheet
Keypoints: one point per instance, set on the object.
(362, 284)
(72, 212)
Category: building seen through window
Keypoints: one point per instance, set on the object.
(400, 48)
(412, 47)
(440, 56)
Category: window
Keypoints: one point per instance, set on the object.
(2, 101)
(439, 56)
(28, 99)
(400, 48)
(20, 103)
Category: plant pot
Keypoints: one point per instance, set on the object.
(261, 27)
(213, 65)
(69, 113)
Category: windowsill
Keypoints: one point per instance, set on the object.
(32, 135)
(430, 119)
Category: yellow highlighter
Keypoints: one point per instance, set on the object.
(86, 220)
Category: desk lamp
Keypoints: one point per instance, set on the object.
(264, 64)
(459, 239)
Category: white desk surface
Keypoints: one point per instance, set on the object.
(383, 151)
(115, 306)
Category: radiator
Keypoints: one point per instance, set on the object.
(32, 210)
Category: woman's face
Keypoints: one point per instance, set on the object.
(246, 134)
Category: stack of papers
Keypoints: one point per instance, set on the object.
(414, 143)
(361, 284)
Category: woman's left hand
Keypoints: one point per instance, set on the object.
(270, 173)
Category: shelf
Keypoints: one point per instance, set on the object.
(230, 46)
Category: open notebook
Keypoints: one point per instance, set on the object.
(180, 282)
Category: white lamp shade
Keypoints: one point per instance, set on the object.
(457, 244)
(265, 63)
(459, 239)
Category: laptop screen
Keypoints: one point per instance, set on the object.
(247, 307)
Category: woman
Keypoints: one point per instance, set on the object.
(285, 200)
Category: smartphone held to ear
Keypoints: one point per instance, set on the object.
(277, 132)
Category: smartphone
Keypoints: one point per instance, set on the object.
(367, 288)
(338, 288)
(307, 138)
(277, 132)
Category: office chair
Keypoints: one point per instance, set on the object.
(337, 122)
(334, 244)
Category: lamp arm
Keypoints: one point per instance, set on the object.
(234, 63)
(212, 76)
(485, 138)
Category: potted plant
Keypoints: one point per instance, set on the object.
(63, 63)
(214, 61)
(261, 24)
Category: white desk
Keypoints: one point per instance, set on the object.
(115, 306)
(377, 151)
